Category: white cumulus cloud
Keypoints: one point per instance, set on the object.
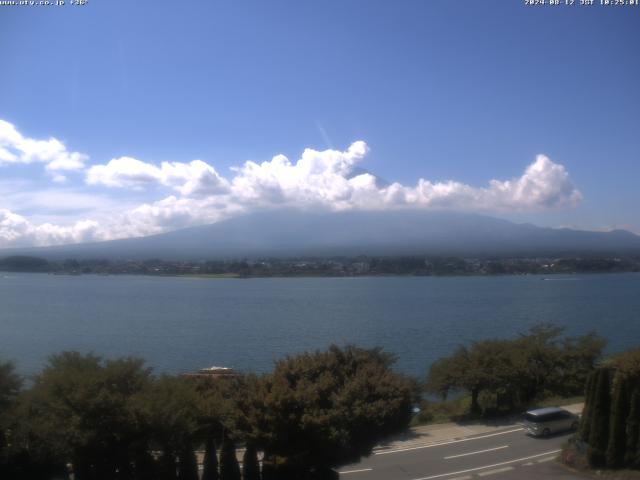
(316, 178)
(16, 230)
(543, 185)
(194, 178)
(16, 148)
(323, 179)
(329, 180)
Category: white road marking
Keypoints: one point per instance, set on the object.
(528, 464)
(466, 477)
(493, 472)
(474, 453)
(448, 443)
(488, 466)
(356, 471)
(546, 459)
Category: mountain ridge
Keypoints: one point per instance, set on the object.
(291, 233)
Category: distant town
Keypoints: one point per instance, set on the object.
(327, 267)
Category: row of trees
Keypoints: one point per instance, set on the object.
(114, 419)
(514, 373)
(610, 423)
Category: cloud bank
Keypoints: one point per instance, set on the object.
(198, 194)
(15, 230)
(16, 148)
(196, 178)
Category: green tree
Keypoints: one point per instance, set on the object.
(167, 466)
(188, 464)
(618, 422)
(10, 384)
(167, 409)
(627, 365)
(250, 466)
(229, 468)
(79, 409)
(578, 357)
(519, 370)
(22, 263)
(600, 411)
(539, 357)
(632, 449)
(327, 408)
(487, 365)
(448, 374)
(269, 471)
(146, 467)
(210, 461)
(585, 421)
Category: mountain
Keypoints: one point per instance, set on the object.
(293, 233)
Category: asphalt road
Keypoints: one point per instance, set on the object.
(507, 454)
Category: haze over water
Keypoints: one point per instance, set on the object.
(182, 324)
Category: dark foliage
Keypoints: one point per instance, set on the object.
(632, 452)
(250, 466)
(327, 408)
(618, 422)
(188, 466)
(20, 263)
(517, 372)
(229, 467)
(599, 429)
(611, 417)
(585, 421)
(210, 462)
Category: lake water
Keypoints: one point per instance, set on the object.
(182, 324)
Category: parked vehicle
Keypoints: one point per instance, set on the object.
(545, 421)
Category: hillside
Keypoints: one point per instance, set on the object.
(294, 233)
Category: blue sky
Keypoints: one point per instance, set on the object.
(439, 98)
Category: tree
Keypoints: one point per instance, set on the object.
(167, 410)
(538, 357)
(210, 462)
(226, 407)
(23, 263)
(324, 409)
(618, 422)
(599, 429)
(145, 465)
(250, 466)
(79, 410)
(10, 384)
(518, 370)
(449, 373)
(585, 421)
(611, 417)
(627, 366)
(188, 465)
(489, 365)
(229, 468)
(632, 449)
(577, 359)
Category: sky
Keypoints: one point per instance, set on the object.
(122, 118)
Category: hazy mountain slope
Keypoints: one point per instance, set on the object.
(293, 233)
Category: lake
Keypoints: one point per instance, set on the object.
(182, 324)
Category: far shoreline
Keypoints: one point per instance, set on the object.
(543, 276)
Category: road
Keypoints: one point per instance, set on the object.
(505, 454)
